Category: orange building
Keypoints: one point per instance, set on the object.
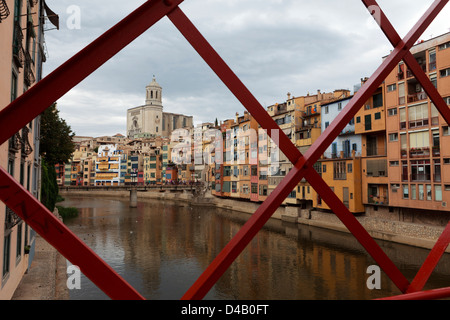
(418, 162)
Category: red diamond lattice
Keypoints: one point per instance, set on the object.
(59, 82)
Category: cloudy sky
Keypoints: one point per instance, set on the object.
(274, 46)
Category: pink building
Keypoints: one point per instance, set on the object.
(21, 58)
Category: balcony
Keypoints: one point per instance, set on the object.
(379, 200)
(423, 152)
(419, 123)
(420, 177)
(4, 11)
(18, 51)
(409, 74)
(418, 96)
(436, 151)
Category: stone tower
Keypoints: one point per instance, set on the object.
(153, 108)
(154, 94)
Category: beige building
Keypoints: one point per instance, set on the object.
(21, 59)
(150, 120)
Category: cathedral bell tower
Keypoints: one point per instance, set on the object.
(154, 94)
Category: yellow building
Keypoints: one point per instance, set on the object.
(344, 178)
(308, 111)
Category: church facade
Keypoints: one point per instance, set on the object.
(150, 120)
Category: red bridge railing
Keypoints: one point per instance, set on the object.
(59, 82)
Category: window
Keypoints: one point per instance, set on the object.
(418, 115)
(413, 192)
(420, 170)
(340, 106)
(378, 100)
(405, 191)
(444, 46)
(421, 194)
(13, 86)
(327, 124)
(445, 131)
(438, 193)
(339, 170)
(378, 116)
(350, 168)
(432, 58)
(326, 110)
(402, 118)
(358, 119)
(6, 254)
(394, 163)
(419, 139)
(263, 190)
(445, 72)
(392, 87)
(429, 195)
(393, 137)
(392, 112)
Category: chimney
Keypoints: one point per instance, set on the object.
(319, 95)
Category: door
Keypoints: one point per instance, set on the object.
(346, 198)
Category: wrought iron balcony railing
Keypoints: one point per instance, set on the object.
(18, 51)
(4, 11)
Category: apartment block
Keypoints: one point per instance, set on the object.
(419, 163)
(340, 165)
(108, 165)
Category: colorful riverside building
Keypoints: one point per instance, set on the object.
(108, 165)
(22, 55)
(418, 161)
(279, 165)
(370, 123)
(308, 128)
(340, 165)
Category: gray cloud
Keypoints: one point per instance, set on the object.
(274, 46)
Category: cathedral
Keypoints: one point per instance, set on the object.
(151, 121)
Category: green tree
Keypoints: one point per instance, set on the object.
(49, 189)
(56, 147)
(56, 144)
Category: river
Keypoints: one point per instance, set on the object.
(162, 247)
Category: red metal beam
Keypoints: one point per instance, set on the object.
(47, 91)
(220, 265)
(213, 272)
(37, 99)
(409, 59)
(75, 70)
(434, 294)
(431, 262)
(441, 245)
(38, 217)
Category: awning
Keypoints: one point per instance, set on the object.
(53, 17)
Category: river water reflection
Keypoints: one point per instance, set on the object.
(161, 248)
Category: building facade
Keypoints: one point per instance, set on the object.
(150, 120)
(22, 55)
(418, 161)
